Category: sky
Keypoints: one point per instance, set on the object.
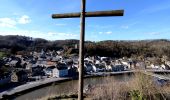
(143, 19)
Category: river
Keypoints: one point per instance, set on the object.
(70, 87)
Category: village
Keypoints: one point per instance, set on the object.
(51, 64)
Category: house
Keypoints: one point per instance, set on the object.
(75, 64)
(109, 67)
(50, 63)
(132, 63)
(37, 70)
(49, 71)
(4, 81)
(100, 67)
(117, 62)
(19, 76)
(24, 64)
(104, 58)
(72, 72)
(4, 78)
(87, 59)
(28, 66)
(155, 66)
(118, 67)
(59, 52)
(128, 64)
(56, 59)
(13, 63)
(149, 66)
(41, 62)
(165, 67)
(140, 65)
(97, 61)
(60, 71)
(167, 63)
(88, 67)
(43, 54)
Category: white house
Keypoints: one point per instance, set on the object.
(164, 67)
(126, 64)
(94, 68)
(104, 58)
(155, 66)
(97, 62)
(168, 64)
(108, 67)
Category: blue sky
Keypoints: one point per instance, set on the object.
(143, 19)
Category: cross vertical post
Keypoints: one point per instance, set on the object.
(81, 50)
(82, 16)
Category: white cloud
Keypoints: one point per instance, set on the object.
(21, 32)
(125, 27)
(101, 26)
(62, 35)
(39, 34)
(100, 32)
(51, 33)
(24, 19)
(154, 33)
(60, 24)
(7, 22)
(11, 23)
(107, 33)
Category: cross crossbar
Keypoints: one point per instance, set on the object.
(91, 14)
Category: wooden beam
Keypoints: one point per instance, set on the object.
(91, 14)
(81, 50)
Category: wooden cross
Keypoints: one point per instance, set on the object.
(82, 16)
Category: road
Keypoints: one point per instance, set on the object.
(30, 85)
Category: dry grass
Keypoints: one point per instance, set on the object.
(141, 87)
(110, 92)
(47, 97)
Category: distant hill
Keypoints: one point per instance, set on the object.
(25, 43)
(15, 41)
(111, 48)
(118, 49)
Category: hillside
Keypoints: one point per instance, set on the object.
(110, 48)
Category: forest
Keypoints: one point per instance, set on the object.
(110, 48)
